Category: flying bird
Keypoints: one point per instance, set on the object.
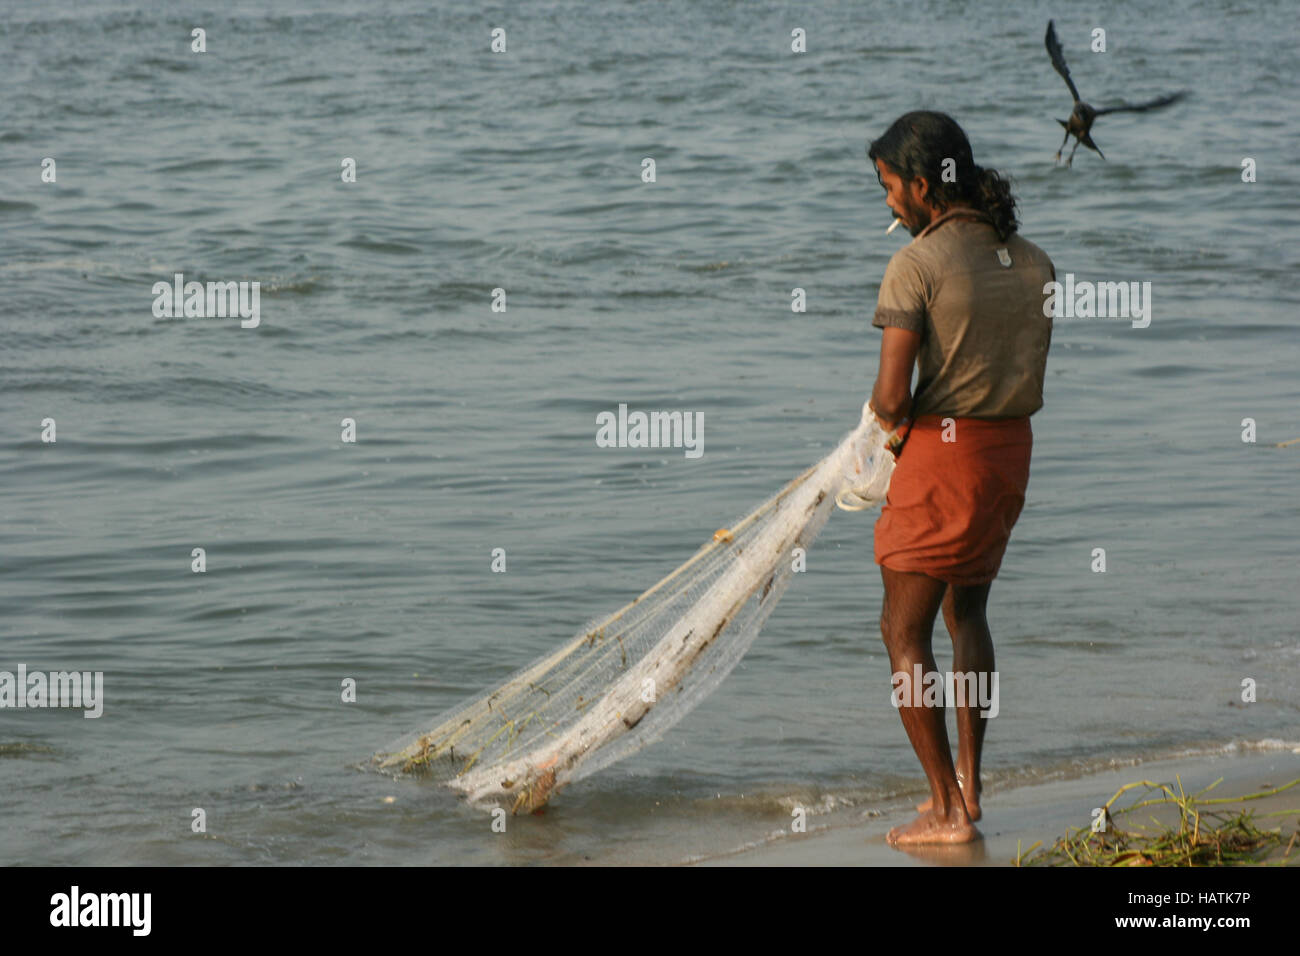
(1080, 123)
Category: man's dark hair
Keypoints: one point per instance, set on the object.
(917, 144)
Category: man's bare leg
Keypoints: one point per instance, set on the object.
(972, 650)
(906, 623)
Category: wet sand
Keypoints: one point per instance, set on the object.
(1041, 812)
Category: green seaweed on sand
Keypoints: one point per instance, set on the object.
(1202, 836)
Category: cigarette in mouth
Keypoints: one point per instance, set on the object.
(892, 226)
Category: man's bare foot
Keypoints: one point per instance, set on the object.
(972, 802)
(927, 828)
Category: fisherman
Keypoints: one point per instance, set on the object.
(964, 301)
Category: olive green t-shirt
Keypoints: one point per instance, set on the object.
(977, 302)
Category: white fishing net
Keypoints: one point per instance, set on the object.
(624, 680)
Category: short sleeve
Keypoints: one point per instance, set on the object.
(901, 302)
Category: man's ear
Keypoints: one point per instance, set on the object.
(922, 187)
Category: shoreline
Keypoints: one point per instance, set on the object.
(1035, 812)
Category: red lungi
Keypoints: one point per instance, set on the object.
(951, 505)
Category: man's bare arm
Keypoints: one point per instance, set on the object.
(891, 397)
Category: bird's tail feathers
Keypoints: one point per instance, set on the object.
(1086, 139)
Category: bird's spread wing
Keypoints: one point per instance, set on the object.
(1155, 104)
(1058, 59)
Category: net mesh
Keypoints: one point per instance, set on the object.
(621, 682)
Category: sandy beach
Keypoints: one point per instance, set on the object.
(1041, 812)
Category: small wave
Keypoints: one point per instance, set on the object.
(387, 247)
(196, 166)
(300, 80)
(307, 285)
(171, 64)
